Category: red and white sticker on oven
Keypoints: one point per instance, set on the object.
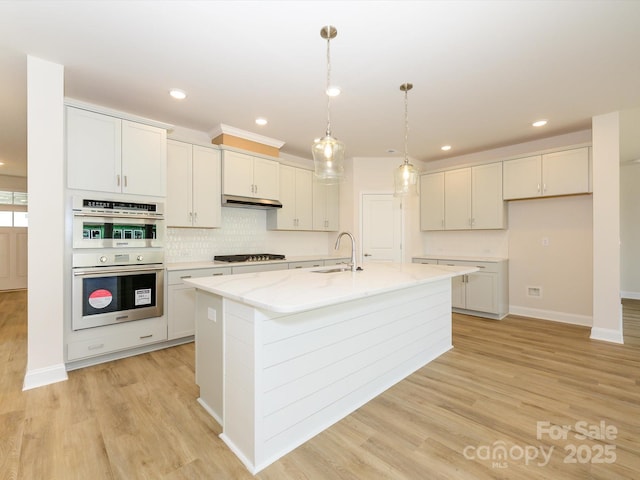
(100, 298)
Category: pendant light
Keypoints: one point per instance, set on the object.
(406, 176)
(328, 152)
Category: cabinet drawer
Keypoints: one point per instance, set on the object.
(427, 261)
(175, 277)
(337, 261)
(306, 264)
(265, 267)
(138, 333)
(483, 266)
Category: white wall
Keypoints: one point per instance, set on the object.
(562, 268)
(630, 203)
(45, 173)
(375, 175)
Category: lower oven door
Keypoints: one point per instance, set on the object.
(109, 295)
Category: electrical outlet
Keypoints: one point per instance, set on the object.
(545, 241)
(534, 291)
(211, 314)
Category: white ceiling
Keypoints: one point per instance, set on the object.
(482, 70)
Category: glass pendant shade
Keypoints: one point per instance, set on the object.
(328, 152)
(406, 180)
(328, 159)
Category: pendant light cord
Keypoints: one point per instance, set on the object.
(328, 85)
(406, 126)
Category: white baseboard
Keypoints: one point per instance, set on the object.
(40, 377)
(606, 335)
(630, 295)
(562, 317)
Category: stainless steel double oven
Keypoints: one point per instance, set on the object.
(117, 261)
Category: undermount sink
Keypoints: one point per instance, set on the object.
(333, 270)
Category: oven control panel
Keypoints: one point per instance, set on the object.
(110, 258)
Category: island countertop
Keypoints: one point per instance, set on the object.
(290, 291)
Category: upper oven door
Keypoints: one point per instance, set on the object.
(107, 231)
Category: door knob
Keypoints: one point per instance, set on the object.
(368, 255)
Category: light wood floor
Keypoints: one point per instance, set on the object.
(138, 418)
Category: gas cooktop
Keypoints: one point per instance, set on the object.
(252, 257)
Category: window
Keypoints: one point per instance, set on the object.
(13, 209)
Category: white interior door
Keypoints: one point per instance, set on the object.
(381, 228)
(13, 258)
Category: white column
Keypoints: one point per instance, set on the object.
(45, 183)
(607, 307)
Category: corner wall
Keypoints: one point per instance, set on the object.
(45, 177)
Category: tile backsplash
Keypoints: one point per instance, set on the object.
(243, 231)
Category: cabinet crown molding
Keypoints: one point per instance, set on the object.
(253, 137)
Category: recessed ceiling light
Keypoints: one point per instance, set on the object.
(445, 148)
(333, 90)
(261, 121)
(1, 163)
(539, 123)
(178, 94)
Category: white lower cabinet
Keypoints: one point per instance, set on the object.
(181, 300)
(93, 342)
(484, 293)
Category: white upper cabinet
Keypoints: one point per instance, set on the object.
(558, 173)
(463, 199)
(488, 207)
(326, 206)
(566, 173)
(296, 198)
(108, 154)
(457, 199)
(144, 159)
(248, 176)
(522, 177)
(432, 201)
(193, 186)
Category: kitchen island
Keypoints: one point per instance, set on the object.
(283, 355)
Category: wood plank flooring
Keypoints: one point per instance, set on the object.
(138, 418)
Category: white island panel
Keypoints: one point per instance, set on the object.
(320, 353)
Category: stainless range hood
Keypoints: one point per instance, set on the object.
(249, 202)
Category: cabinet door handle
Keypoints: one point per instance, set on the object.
(125, 181)
(368, 255)
(146, 336)
(538, 187)
(185, 276)
(217, 274)
(118, 180)
(544, 187)
(195, 217)
(480, 266)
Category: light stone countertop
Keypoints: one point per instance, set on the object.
(289, 291)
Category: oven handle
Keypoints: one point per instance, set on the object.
(134, 269)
